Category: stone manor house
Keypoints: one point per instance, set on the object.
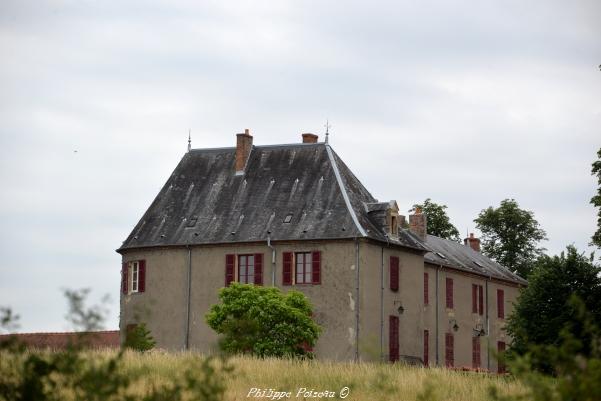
(294, 216)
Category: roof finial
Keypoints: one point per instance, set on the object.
(327, 130)
(189, 139)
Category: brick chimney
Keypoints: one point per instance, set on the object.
(310, 138)
(417, 224)
(244, 143)
(473, 242)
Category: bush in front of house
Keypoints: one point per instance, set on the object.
(264, 321)
(139, 338)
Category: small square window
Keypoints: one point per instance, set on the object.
(288, 218)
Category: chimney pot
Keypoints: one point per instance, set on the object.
(309, 138)
(244, 143)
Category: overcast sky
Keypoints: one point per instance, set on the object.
(467, 103)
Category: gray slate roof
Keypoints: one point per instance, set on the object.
(464, 258)
(204, 202)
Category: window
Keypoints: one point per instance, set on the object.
(449, 293)
(304, 265)
(449, 355)
(426, 347)
(477, 299)
(394, 230)
(501, 351)
(393, 338)
(133, 277)
(501, 304)
(394, 273)
(250, 268)
(426, 297)
(246, 269)
(476, 361)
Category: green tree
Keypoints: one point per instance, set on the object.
(542, 309)
(263, 321)
(510, 236)
(438, 221)
(596, 200)
(575, 362)
(139, 338)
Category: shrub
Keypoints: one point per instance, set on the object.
(264, 321)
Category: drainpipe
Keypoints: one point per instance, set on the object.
(437, 317)
(382, 308)
(357, 302)
(187, 333)
(272, 258)
(487, 328)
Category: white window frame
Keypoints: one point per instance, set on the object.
(306, 261)
(135, 277)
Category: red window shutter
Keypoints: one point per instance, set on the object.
(480, 300)
(142, 276)
(229, 269)
(287, 269)
(258, 269)
(316, 266)
(426, 297)
(426, 348)
(501, 304)
(394, 273)
(500, 363)
(449, 350)
(474, 298)
(476, 363)
(124, 277)
(393, 338)
(449, 292)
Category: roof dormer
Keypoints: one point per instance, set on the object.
(386, 216)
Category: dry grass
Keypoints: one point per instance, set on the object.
(366, 381)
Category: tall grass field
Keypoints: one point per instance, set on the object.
(268, 379)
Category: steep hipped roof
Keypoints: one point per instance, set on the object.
(464, 258)
(205, 202)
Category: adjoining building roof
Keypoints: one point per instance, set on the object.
(289, 192)
(91, 339)
(462, 257)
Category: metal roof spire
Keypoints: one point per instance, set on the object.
(189, 140)
(327, 130)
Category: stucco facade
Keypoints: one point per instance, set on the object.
(352, 303)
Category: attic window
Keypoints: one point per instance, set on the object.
(393, 225)
(192, 221)
(441, 255)
(288, 218)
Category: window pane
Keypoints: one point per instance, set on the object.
(251, 260)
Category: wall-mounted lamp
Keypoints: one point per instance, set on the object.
(400, 309)
(454, 324)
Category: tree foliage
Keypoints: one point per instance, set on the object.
(263, 321)
(596, 200)
(437, 220)
(575, 361)
(139, 338)
(510, 236)
(542, 309)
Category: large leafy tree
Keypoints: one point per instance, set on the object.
(510, 236)
(543, 309)
(438, 221)
(596, 200)
(264, 321)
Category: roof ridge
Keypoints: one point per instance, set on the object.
(58, 333)
(347, 201)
